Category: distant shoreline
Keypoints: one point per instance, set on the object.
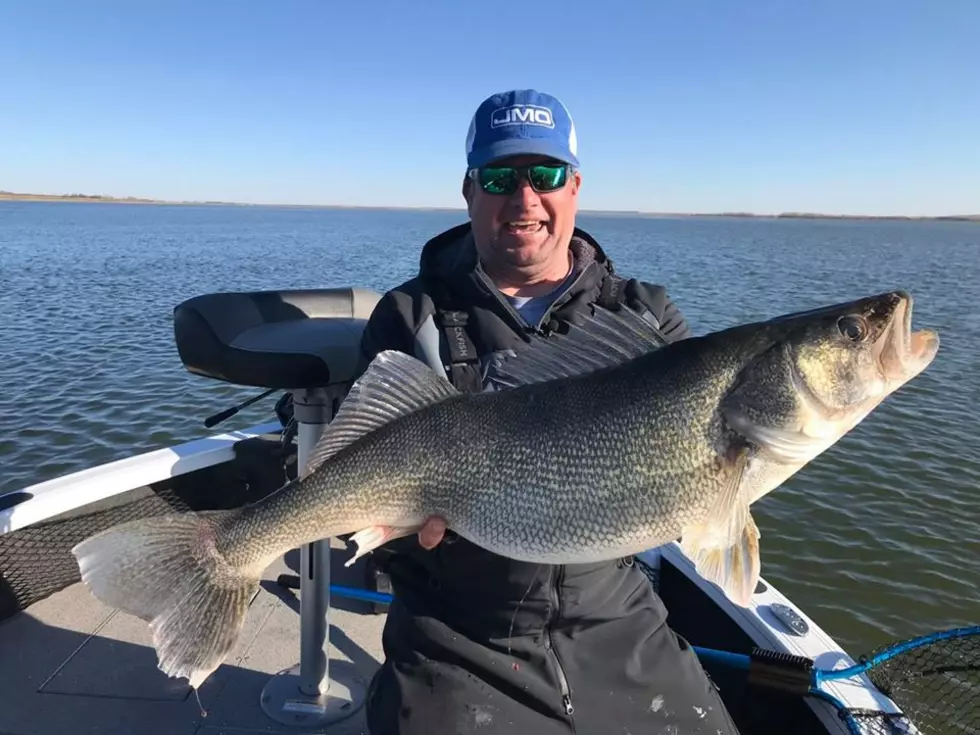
(99, 199)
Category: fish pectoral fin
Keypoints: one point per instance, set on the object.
(370, 538)
(734, 568)
(725, 545)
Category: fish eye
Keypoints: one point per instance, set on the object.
(854, 328)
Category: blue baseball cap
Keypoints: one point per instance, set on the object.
(520, 122)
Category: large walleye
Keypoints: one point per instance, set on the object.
(606, 443)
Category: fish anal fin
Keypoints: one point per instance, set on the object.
(370, 538)
(725, 545)
(394, 385)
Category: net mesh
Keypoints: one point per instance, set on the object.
(36, 562)
(937, 686)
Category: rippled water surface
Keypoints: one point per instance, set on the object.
(878, 538)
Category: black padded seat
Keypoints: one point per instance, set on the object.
(274, 339)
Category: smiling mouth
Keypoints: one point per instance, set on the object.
(524, 226)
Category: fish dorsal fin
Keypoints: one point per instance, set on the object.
(606, 339)
(394, 385)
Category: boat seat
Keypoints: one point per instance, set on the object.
(288, 340)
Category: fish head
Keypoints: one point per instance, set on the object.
(816, 374)
(849, 361)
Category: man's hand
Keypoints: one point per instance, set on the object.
(432, 532)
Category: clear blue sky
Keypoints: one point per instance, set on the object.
(866, 107)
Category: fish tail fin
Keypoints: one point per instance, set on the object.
(168, 571)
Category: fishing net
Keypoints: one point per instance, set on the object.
(935, 681)
(36, 561)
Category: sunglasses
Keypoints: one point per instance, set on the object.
(543, 177)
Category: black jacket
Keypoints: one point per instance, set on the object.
(476, 642)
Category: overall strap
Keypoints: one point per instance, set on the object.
(612, 292)
(464, 363)
(617, 292)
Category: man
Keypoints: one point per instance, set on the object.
(475, 642)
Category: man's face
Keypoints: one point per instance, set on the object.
(526, 228)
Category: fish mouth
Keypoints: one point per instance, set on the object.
(905, 353)
(862, 352)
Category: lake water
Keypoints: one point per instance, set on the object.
(878, 538)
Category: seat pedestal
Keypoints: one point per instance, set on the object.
(305, 341)
(309, 694)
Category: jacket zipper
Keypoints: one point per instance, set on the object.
(513, 313)
(554, 582)
(562, 298)
(555, 577)
(518, 322)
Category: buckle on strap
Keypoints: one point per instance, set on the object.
(453, 318)
(461, 347)
(612, 293)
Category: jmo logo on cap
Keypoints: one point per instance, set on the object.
(522, 115)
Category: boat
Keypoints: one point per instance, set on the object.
(311, 640)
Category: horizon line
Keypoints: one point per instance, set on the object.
(107, 199)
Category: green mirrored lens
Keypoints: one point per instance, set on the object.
(499, 180)
(547, 178)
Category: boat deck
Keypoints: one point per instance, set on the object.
(71, 665)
